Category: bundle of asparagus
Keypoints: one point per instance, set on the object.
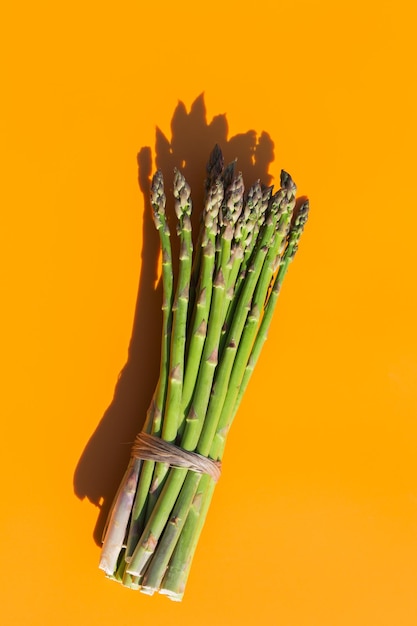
(214, 327)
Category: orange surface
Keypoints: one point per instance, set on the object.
(314, 522)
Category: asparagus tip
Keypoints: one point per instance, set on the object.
(158, 198)
(182, 194)
(287, 182)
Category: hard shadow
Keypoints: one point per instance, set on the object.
(105, 457)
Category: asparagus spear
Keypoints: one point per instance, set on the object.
(179, 330)
(119, 515)
(205, 287)
(158, 202)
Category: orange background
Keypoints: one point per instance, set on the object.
(314, 522)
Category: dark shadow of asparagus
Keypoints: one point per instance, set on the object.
(105, 457)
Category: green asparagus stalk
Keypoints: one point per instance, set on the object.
(158, 201)
(179, 330)
(205, 289)
(154, 422)
(118, 519)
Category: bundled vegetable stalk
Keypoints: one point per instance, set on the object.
(214, 327)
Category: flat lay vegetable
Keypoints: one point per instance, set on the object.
(216, 314)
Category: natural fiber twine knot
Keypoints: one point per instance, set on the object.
(151, 448)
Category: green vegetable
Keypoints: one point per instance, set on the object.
(212, 336)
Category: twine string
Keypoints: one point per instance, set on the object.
(151, 448)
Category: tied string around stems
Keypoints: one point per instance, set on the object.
(151, 448)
